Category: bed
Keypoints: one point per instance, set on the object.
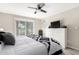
(24, 46)
(28, 46)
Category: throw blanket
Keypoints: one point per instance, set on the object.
(53, 46)
(48, 43)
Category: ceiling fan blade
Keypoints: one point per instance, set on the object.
(41, 5)
(43, 11)
(32, 8)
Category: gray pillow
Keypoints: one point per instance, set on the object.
(8, 38)
(33, 36)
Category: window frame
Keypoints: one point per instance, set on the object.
(24, 20)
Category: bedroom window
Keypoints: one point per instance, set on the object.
(24, 28)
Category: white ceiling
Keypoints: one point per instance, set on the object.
(21, 9)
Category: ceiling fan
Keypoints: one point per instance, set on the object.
(39, 8)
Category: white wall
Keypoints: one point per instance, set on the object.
(69, 18)
(7, 22)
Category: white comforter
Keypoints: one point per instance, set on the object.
(24, 46)
(27, 46)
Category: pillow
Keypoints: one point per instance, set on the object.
(44, 39)
(8, 38)
(1, 35)
(33, 36)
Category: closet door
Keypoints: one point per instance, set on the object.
(59, 34)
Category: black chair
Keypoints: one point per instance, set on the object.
(40, 33)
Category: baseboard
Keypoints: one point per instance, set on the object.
(72, 47)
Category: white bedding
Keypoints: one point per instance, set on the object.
(27, 46)
(24, 46)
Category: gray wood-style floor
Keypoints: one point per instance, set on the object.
(69, 51)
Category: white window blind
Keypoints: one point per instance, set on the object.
(24, 27)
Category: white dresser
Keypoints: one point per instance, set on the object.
(59, 34)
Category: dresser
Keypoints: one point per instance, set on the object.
(59, 34)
